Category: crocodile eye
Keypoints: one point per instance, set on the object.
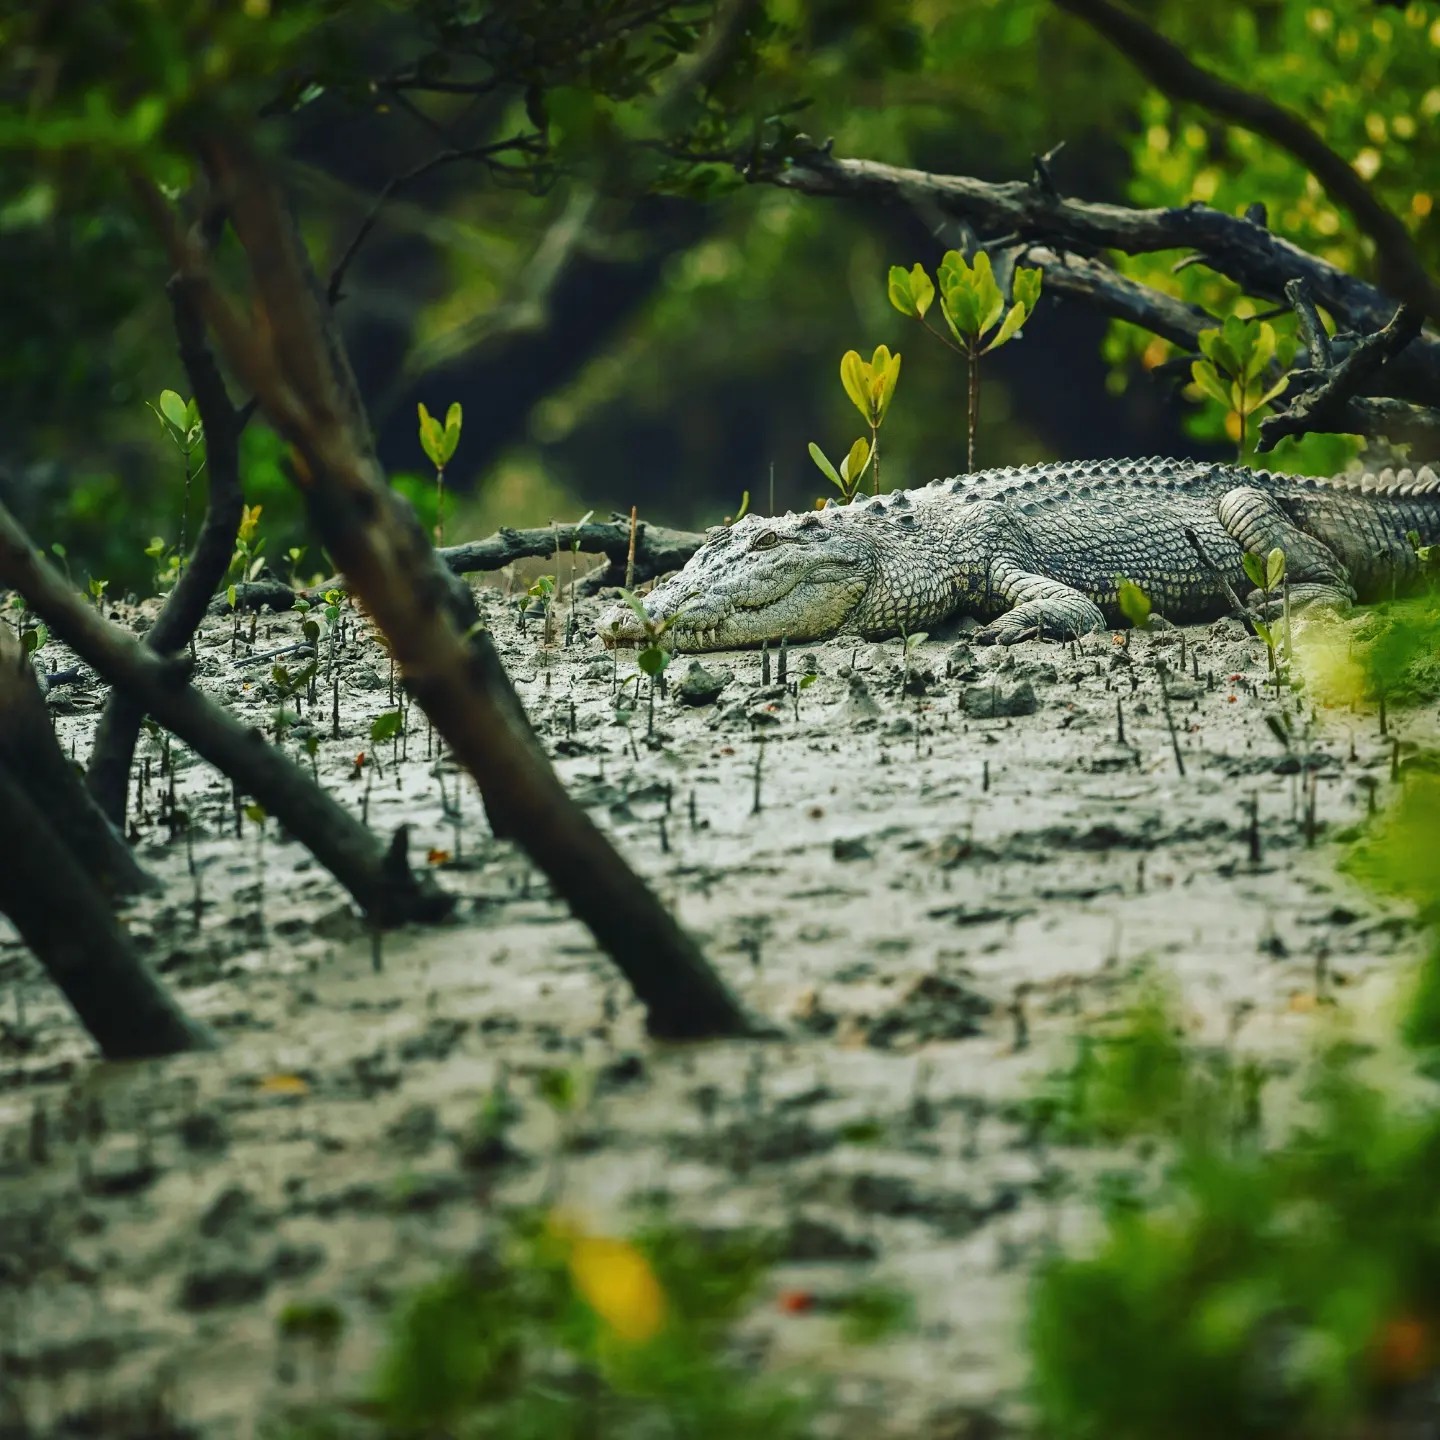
(768, 541)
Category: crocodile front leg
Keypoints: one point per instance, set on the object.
(1258, 525)
(1040, 606)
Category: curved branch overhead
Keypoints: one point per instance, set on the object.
(1173, 73)
(1241, 249)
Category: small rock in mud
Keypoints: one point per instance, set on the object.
(699, 686)
(212, 1285)
(120, 1167)
(230, 1213)
(204, 1130)
(859, 704)
(960, 663)
(809, 1239)
(935, 1007)
(414, 1130)
(1039, 670)
(990, 702)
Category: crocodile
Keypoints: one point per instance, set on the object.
(1038, 551)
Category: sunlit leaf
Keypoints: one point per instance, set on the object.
(1204, 374)
(1274, 568)
(172, 407)
(1014, 319)
(1026, 286)
(616, 1281)
(853, 465)
(385, 727)
(826, 468)
(1134, 602)
(854, 376)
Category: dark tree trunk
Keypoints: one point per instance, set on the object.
(293, 361)
(380, 880)
(62, 916)
(32, 754)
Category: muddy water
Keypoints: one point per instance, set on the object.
(932, 898)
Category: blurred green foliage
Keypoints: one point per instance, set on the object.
(556, 1332)
(1278, 1274)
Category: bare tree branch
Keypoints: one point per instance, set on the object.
(523, 142)
(65, 920)
(388, 891)
(1171, 71)
(293, 361)
(1107, 290)
(1256, 259)
(1324, 404)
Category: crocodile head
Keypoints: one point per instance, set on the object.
(801, 577)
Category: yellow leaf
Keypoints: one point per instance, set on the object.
(618, 1284)
(283, 1085)
(854, 376)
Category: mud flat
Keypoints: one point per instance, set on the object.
(932, 875)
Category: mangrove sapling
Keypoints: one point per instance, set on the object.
(802, 684)
(1237, 372)
(1267, 575)
(181, 422)
(439, 445)
(907, 650)
(653, 656)
(973, 305)
(846, 479)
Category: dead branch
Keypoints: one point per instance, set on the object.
(32, 754)
(524, 143)
(1324, 400)
(185, 606)
(1107, 290)
(293, 362)
(1256, 259)
(62, 916)
(389, 892)
(1170, 70)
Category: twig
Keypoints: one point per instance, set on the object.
(1308, 321)
(630, 553)
(1238, 609)
(1326, 407)
(525, 142)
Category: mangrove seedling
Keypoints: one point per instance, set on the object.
(439, 445)
(246, 561)
(1267, 574)
(973, 305)
(871, 387)
(1234, 373)
(180, 419)
(1133, 601)
(846, 479)
(653, 656)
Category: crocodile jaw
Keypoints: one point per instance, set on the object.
(812, 608)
